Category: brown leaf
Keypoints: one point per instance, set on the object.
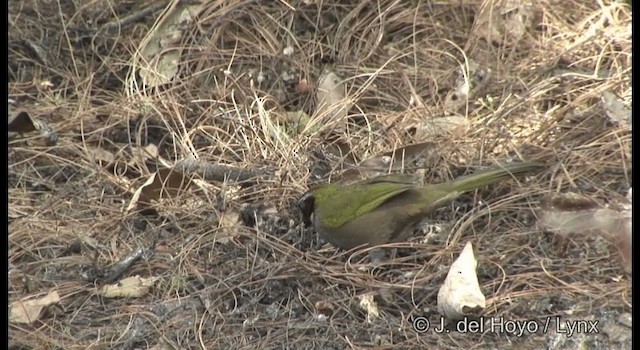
(164, 183)
(571, 213)
(21, 122)
(616, 110)
(159, 55)
(332, 103)
(417, 154)
(452, 126)
(100, 156)
(228, 226)
(583, 221)
(406, 157)
(503, 21)
(142, 154)
(132, 287)
(324, 307)
(29, 311)
(568, 201)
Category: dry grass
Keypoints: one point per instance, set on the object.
(260, 287)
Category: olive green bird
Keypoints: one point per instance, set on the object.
(386, 209)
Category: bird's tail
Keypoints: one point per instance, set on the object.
(493, 175)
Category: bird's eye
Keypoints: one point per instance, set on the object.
(306, 204)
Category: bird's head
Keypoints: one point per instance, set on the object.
(306, 204)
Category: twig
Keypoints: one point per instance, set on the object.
(218, 172)
(121, 23)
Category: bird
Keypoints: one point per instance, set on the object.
(386, 209)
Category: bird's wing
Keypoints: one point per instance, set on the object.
(362, 199)
(377, 194)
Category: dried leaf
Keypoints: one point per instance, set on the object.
(368, 304)
(142, 154)
(166, 182)
(578, 221)
(570, 213)
(100, 156)
(471, 79)
(568, 202)
(332, 103)
(453, 126)
(160, 69)
(158, 62)
(81, 241)
(413, 155)
(616, 110)
(338, 149)
(324, 308)
(460, 293)
(228, 225)
(503, 21)
(410, 156)
(29, 311)
(133, 287)
(23, 122)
